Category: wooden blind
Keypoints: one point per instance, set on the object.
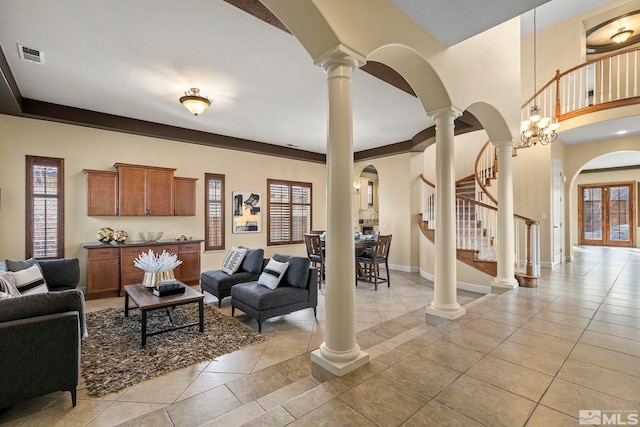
(214, 212)
(289, 211)
(45, 207)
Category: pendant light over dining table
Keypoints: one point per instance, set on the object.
(194, 102)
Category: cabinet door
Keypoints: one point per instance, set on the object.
(189, 271)
(184, 196)
(102, 193)
(103, 272)
(132, 185)
(160, 192)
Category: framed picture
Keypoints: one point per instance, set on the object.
(247, 212)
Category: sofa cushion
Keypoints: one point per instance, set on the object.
(252, 261)
(262, 298)
(298, 271)
(219, 280)
(30, 281)
(60, 273)
(273, 273)
(233, 260)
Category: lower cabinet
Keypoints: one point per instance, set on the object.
(109, 270)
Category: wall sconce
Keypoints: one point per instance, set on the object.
(356, 187)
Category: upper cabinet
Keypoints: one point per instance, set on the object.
(136, 190)
(145, 190)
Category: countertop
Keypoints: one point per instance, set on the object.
(162, 242)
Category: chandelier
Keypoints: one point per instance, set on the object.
(537, 129)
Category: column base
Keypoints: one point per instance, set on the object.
(499, 286)
(527, 281)
(326, 370)
(437, 316)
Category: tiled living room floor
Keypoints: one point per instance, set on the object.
(528, 356)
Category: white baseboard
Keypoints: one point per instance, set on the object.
(471, 287)
(546, 264)
(404, 268)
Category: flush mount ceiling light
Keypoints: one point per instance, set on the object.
(195, 102)
(622, 35)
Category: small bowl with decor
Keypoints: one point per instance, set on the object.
(150, 236)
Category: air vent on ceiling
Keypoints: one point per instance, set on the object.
(31, 54)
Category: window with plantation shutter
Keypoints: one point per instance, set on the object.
(45, 207)
(288, 211)
(214, 212)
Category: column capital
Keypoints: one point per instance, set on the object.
(449, 111)
(340, 55)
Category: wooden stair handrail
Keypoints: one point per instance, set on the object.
(483, 187)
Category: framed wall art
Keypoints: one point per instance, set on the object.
(247, 212)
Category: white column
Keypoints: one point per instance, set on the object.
(339, 353)
(445, 303)
(505, 249)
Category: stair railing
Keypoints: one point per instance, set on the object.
(609, 81)
(486, 170)
(476, 229)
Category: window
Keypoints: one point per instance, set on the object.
(214, 212)
(288, 211)
(370, 193)
(45, 207)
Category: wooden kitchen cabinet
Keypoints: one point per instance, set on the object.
(189, 270)
(102, 193)
(184, 196)
(103, 272)
(145, 190)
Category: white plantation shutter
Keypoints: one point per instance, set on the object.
(289, 211)
(214, 212)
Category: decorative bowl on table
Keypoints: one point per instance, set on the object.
(150, 236)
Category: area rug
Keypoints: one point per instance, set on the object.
(112, 358)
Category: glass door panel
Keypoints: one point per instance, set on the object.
(592, 215)
(619, 215)
(606, 214)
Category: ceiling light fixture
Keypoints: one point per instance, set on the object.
(195, 102)
(622, 35)
(621, 132)
(537, 129)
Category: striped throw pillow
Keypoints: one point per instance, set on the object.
(233, 260)
(30, 281)
(273, 273)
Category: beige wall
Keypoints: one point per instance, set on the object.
(97, 149)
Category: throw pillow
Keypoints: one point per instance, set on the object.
(8, 285)
(4, 295)
(252, 262)
(233, 260)
(19, 265)
(298, 272)
(273, 273)
(30, 281)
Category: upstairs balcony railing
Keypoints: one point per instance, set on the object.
(609, 81)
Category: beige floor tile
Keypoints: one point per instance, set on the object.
(451, 355)
(554, 329)
(570, 398)
(270, 358)
(529, 357)
(258, 384)
(384, 401)
(486, 403)
(436, 414)
(622, 345)
(607, 359)
(608, 381)
(238, 362)
(506, 317)
(203, 407)
(285, 393)
(276, 417)
(295, 368)
(120, 412)
(291, 342)
(550, 343)
(423, 375)
(570, 309)
(238, 416)
(613, 329)
(547, 417)
(163, 389)
(563, 319)
(318, 396)
(334, 413)
(511, 377)
(617, 319)
(207, 381)
(490, 327)
(474, 340)
(157, 418)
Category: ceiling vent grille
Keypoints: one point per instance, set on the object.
(31, 54)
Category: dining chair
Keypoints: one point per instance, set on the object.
(370, 264)
(315, 252)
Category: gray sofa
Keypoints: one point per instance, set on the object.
(40, 340)
(219, 284)
(297, 290)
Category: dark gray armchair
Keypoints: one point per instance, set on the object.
(297, 290)
(40, 345)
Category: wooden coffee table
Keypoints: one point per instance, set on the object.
(146, 301)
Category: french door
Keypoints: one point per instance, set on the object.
(606, 214)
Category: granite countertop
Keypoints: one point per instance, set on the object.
(162, 242)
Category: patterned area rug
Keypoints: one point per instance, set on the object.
(112, 358)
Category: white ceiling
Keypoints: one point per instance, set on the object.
(135, 59)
